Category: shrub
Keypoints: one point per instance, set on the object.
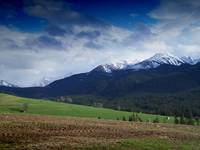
(124, 118)
(190, 121)
(156, 120)
(24, 107)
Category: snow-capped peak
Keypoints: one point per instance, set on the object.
(162, 58)
(152, 62)
(108, 68)
(7, 84)
(157, 60)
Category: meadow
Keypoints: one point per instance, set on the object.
(53, 125)
(13, 104)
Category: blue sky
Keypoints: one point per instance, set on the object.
(56, 38)
(122, 13)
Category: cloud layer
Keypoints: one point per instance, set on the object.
(72, 42)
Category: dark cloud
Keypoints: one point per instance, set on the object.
(44, 42)
(93, 45)
(176, 10)
(59, 13)
(11, 63)
(10, 44)
(48, 41)
(55, 31)
(89, 34)
(141, 34)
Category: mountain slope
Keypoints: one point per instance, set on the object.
(13, 104)
(165, 78)
(152, 62)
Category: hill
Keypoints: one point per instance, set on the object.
(13, 104)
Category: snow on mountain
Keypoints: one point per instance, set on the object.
(161, 58)
(157, 60)
(43, 82)
(188, 60)
(152, 62)
(108, 68)
(7, 84)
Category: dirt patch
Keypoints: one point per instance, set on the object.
(44, 132)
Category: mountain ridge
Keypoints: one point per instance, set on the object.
(152, 62)
(149, 63)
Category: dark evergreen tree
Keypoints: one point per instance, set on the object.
(124, 118)
(130, 118)
(176, 120)
(190, 119)
(182, 119)
(197, 121)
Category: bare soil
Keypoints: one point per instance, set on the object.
(46, 132)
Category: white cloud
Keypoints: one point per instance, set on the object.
(83, 47)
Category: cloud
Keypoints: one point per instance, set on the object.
(176, 9)
(93, 45)
(89, 34)
(70, 38)
(60, 14)
(55, 30)
(141, 34)
(176, 22)
(133, 15)
(44, 42)
(39, 55)
(174, 17)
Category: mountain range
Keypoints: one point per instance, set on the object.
(162, 84)
(152, 62)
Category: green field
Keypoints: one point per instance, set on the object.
(13, 104)
(23, 130)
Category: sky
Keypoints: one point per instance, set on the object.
(53, 39)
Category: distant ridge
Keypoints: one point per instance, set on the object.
(152, 62)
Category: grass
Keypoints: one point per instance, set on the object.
(13, 104)
(52, 129)
(151, 144)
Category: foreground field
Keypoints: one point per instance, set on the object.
(13, 104)
(24, 132)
